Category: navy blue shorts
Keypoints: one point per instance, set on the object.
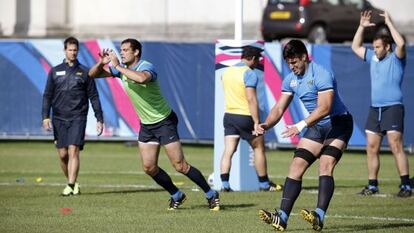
(163, 132)
(383, 119)
(340, 127)
(241, 125)
(69, 133)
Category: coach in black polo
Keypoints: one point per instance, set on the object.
(67, 91)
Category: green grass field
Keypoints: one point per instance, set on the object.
(118, 197)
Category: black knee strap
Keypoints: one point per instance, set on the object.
(332, 151)
(305, 154)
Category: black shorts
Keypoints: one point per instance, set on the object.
(383, 119)
(340, 127)
(163, 132)
(240, 125)
(69, 133)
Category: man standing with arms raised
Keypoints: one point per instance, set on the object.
(386, 113)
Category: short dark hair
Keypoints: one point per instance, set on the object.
(135, 45)
(71, 40)
(295, 48)
(386, 39)
(251, 51)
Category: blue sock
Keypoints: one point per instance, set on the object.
(372, 187)
(283, 216)
(225, 184)
(321, 213)
(176, 196)
(210, 194)
(264, 184)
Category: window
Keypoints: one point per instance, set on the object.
(359, 4)
(274, 2)
(332, 2)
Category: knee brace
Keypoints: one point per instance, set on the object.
(332, 151)
(305, 154)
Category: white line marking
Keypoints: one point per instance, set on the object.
(390, 219)
(38, 172)
(371, 218)
(315, 191)
(84, 185)
(366, 218)
(140, 186)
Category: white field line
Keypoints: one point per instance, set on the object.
(82, 185)
(188, 185)
(38, 172)
(389, 219)
(315, 191)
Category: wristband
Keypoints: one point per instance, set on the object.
(301, 125)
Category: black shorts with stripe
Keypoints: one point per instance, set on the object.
(240, 125)
(70, 132)
(163, 132)
(340, 127)
(383, 119)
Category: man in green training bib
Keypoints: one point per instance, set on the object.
(158, 120)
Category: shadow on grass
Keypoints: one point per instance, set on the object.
(124, 191)
(336, 186)
(227, 206)
(366, 227)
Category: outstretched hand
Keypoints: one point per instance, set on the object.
(387, 18)
(291, 130)
(104, 56)
(114, 58)
(365, 20)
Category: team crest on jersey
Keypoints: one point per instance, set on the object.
(293, 83)
(311, 82)
(79, 73)
(63, 72)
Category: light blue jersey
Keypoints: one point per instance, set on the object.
(142, 65)
(316, 80)
(250, 78)
(386, 78)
